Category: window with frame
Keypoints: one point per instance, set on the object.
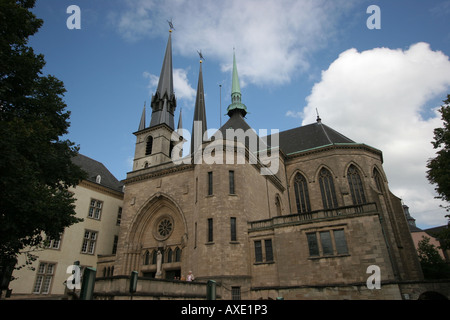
(268, 251)
(146, 258)
(210, 183)
(54, 244)
(356, 186)
(210, 230)
(89, 242)
(327, 189)
(177, 254)
(327, 243)
(44, 277)
(115, 242)
(95, 209)
(231, 182)
(149, 146)
(258, 251)
(235, 293)
(233, 229)
(301, 194)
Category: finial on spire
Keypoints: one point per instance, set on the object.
(201, 56)
(318, 117)
(170, 25)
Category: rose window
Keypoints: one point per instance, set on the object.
(165, 227)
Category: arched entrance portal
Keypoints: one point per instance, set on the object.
(159, 234)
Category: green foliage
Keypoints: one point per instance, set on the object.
(433, 265)
(439, 167)
(35, 164)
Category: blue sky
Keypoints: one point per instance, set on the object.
(380, 87)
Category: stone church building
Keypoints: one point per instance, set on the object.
(306, 214)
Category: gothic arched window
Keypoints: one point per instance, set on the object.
(147, 258)
(356, 186)
(378, 180)
(149, 146)
(177, 254)
(301, 194)
(154, 256)
(327, 189)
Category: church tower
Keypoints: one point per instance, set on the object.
(154, 145)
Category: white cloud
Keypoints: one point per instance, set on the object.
(294, 114)
(378, 97)
(273, 39)
(182, 87)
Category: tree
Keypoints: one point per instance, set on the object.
(433, 265)
(36, 168)
(439, 167)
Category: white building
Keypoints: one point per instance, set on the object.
(99, 203)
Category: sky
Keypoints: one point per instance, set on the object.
(378, 77)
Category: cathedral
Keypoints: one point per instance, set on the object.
(304, 213)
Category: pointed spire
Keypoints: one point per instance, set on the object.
(165, 84)
(164, 102)
(142, 123)
(236, 104)
(199, 126)
(180, 123)
(235, 88)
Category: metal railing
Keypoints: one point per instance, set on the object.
(313, 215)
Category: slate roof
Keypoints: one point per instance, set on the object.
(294, 140)
(309, 137)
(94, 168)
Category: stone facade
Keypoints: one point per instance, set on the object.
(310, 228)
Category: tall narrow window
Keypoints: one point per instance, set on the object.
(177, 254)
(378, 180)
(278, 205)
(169, 255)
(231, 181)
(301, 194)
(115, 241)
(149, 146)
(196, 189)
(269, 250)
(210, 183)
(147, 258)
(195, 235)
(312, 244)
(325, 240)
(171, 146)
(210, 230)
(119, 216)
(233, 229)
(356, 186)
(327, 189)
(258, 251)
(339, 240)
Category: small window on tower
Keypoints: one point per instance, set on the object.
(149, 146)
